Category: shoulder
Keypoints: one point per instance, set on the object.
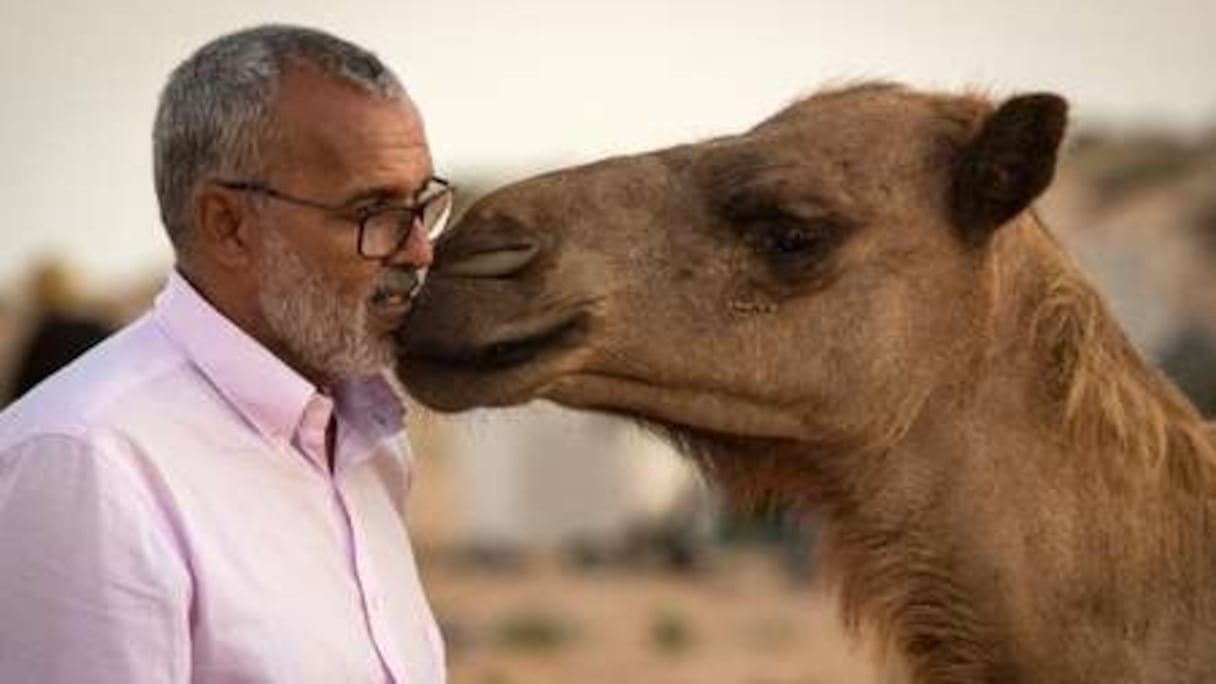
(120, 380)
(68, 485)
(62, 493)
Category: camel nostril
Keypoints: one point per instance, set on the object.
(499, 262)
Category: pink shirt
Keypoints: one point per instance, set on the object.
(167, 514)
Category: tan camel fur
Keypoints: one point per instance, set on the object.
(852, 308)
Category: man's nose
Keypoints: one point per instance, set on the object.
(417, 252)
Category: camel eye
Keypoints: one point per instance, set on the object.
(792, 236)
(790, 240)
(793, 245)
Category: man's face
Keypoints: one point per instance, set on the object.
(332, 310)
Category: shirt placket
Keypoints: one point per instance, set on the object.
(374, 610)
(312, 440)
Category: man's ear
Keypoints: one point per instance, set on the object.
(222, 226)
(1007, 164)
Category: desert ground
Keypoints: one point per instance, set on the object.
(540, 616)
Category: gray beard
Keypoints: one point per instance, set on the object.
(321, 330)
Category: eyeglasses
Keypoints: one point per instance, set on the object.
(383, 230)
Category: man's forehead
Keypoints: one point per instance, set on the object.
(307, 96)
(362, 141)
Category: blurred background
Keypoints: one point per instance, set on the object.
(571, 547)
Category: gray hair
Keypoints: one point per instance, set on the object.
(215, 113)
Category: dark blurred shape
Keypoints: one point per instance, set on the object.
(59, 333)
(1205, 222)
(671, 632)
(535, 629)
(501, 558)
(1190, 360)
(791, 533)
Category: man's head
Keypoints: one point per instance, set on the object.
(292, 171)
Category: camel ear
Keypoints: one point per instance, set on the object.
(1007, 164)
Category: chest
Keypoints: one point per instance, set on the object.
(299, 576)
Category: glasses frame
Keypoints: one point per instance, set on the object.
(417, 210)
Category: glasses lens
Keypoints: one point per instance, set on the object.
(436, 211)
(385, 231)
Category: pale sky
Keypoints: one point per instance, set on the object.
(513, 86)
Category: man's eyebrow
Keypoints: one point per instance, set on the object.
(376, 195)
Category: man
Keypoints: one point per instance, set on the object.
(214, 493)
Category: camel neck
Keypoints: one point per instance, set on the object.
(1063, 468)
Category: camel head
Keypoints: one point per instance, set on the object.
(816, 278)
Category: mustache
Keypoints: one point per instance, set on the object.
(402, 282)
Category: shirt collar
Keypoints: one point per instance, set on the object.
(266, 391)
(374, 405)
(270, 394)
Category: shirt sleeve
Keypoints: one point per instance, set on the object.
(92, 588)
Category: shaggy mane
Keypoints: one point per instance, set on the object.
(1111, 401)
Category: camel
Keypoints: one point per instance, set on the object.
(852, 307)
